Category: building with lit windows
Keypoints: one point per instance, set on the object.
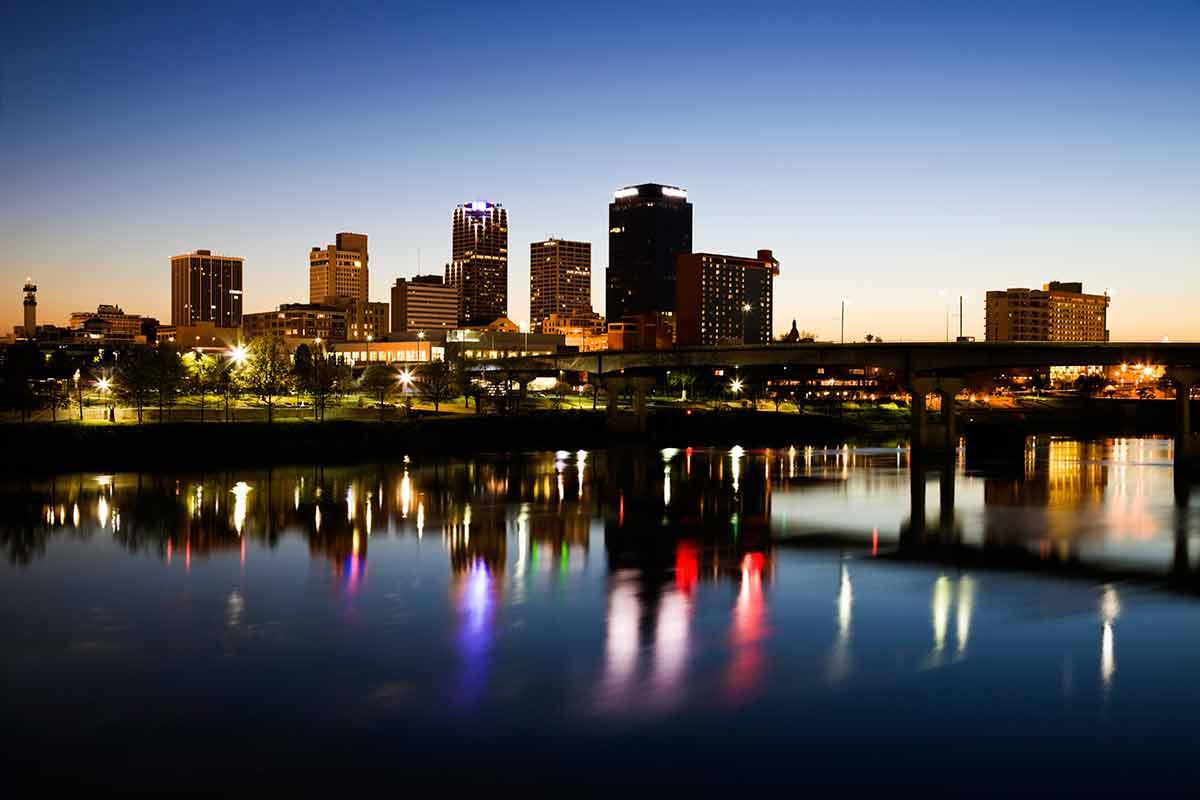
(724, 299)
(308, 321)
(649, 225)
(478, 269)
(423, 303)
(560, 280)
(206, 288)
(340, 270)
(1058, 312)
(112, 322)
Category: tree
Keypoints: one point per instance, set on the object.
(1088, 385)
(21, 365)
(326, 376)
(462, 379)
(379, 381)
(268, 371)
(167, 376)
(227, 385)
(435, 381)
(683, 380)
(134, 376)
(203, 375)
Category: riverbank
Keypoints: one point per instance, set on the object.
(59, 446)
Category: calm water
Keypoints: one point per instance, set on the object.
(620, 619)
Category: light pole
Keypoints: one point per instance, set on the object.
(745, 307)
(104, 384)
(78, 395)
(843, 320)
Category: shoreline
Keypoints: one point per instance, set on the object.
(62, 446)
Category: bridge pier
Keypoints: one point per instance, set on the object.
(1187, 453)
(613, 387)
(944, 437)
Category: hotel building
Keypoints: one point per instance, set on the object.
(723, 299)
(1058, 312)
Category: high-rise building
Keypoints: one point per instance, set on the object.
(339, 270)
(648, 226)
(724, 299)
(30, 306)
(1058, 312)
(478, 269)
(297, 321)
(206, 288)
(560, 279)
(423, 303)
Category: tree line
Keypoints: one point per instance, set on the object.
(158, 376)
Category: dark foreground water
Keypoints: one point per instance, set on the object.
(630, 621)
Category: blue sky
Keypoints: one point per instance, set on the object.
(884, 151)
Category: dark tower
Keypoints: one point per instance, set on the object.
(648, 225)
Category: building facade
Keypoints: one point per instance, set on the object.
(423, 303)
(116, 322)
(560, 279)
(206, 288)
(1058, 312)
(340, 270)
(724, 299)
(297, 321)
(478, 269)
(648, 226)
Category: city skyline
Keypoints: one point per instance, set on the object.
(900, 153)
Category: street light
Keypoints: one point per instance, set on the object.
(745, 307)
(238, 354)
(735, 385)
(104, 384)
(78, 395)
(421, 335)
(844, 302)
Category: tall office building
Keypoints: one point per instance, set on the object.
(339, 270)
(206, 288)
(560, 279)
(1058, 312)
(478, 269)
(648, 226)
(724, 299)
(424, 303)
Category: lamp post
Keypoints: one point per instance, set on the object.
(78, 395)
(745, 307)
(104, 384)
(844, 301)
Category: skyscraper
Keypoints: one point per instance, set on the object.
(560, 279)
(206, 288)
(725, 299)
(479, 262)
(340, 270)
(648, 226)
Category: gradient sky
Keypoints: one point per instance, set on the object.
(884, 150)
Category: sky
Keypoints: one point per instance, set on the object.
(892, 154)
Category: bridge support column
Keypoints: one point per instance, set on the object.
(1187, 453)
(641, 389)
(612, 398)
(947, 389)
(917, 419)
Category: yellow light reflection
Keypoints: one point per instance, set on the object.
(239, 491)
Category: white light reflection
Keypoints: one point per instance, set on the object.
(736, 466)
(102, 511)
(670, 647)
(350, 502)
(1110, 609)
(621, 639)
(239, 490)
(966, 607)
(839, 658)
(420, 519)
(405, 495)
(940, 613)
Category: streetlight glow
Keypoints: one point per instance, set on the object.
(238, 354)
(735, 385)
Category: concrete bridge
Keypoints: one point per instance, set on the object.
(923, 368)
